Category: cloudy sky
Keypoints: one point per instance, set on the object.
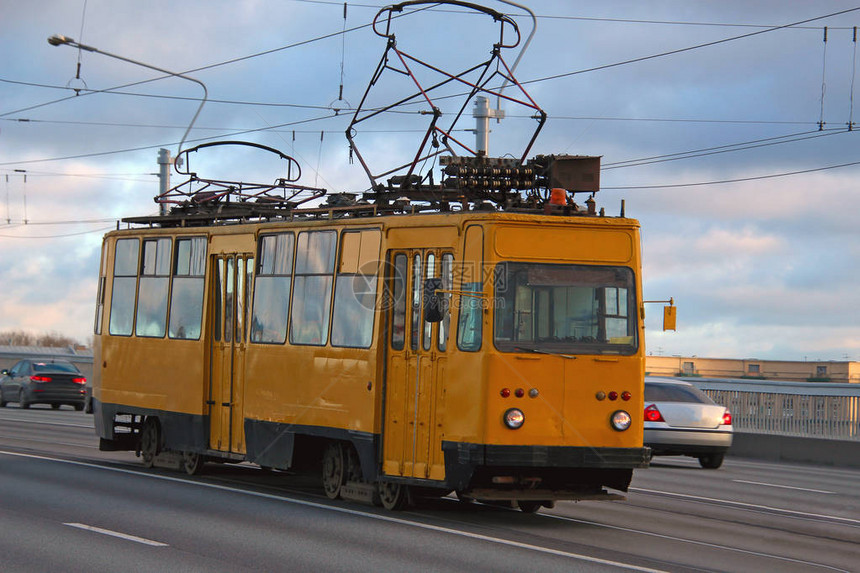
(722, 124)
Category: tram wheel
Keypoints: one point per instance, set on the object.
(392, 495)
(528, 505)
(149, 442)
(192, 463)
(334, 472)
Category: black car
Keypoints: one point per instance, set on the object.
(54, 382)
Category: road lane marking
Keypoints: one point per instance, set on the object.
(790, 512)
(357, 513)
(695, 542)
(782, 486)
(45, 423)
(125, 536)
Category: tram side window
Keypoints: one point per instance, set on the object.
(309, 318)
(469, 322)
(272, 293)
(124, 287)
(447, 284)
(100, 297)
(398, 302)
(355, 289)
(152, 288)
(186, 298)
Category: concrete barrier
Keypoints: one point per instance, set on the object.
(837, 453)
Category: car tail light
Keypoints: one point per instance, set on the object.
(79, 380)
(727, 418)
(652, 414)
(37, 378)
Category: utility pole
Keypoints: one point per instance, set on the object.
(164, 163)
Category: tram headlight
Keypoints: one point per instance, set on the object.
(514, 418)
(620, 420)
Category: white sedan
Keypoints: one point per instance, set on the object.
(681, 420)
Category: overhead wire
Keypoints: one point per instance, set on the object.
(742, 146)
(344, 31)
(218, 64)
(738, 180)
(63, 236)
(145, 147)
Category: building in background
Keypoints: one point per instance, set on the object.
(751, 368)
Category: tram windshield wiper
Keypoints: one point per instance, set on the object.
(536, 351)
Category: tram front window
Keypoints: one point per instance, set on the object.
(574, 309)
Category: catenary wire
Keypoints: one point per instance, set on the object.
(738, 180)
(742, 146)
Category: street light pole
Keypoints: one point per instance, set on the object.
(58, 40)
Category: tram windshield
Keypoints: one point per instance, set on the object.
(574, 309)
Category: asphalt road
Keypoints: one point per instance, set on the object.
(65, 506)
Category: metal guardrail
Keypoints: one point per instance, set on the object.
(812, 409)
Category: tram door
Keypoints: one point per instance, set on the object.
(228, 336)
(414, 407)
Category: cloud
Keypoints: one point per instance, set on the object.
(766, 266)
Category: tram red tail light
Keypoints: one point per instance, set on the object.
(625, 395)
(505, 392)
(652, 414)
(727, 418)
(37, 378)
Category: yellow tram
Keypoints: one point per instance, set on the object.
(483, 335)
(288, 343)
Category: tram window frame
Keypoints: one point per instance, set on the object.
(399, 284)
(100, 295)
(354, 312)
(470, 318)
(272, 288)
(312, 288)
(546, 304)
(124, 286)
(188, 286)
(446, 271)
(429, 273)
(153, 288)
(417, 291)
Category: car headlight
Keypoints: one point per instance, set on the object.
(514, 418)
(620, 420)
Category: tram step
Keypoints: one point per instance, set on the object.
(358, 491)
